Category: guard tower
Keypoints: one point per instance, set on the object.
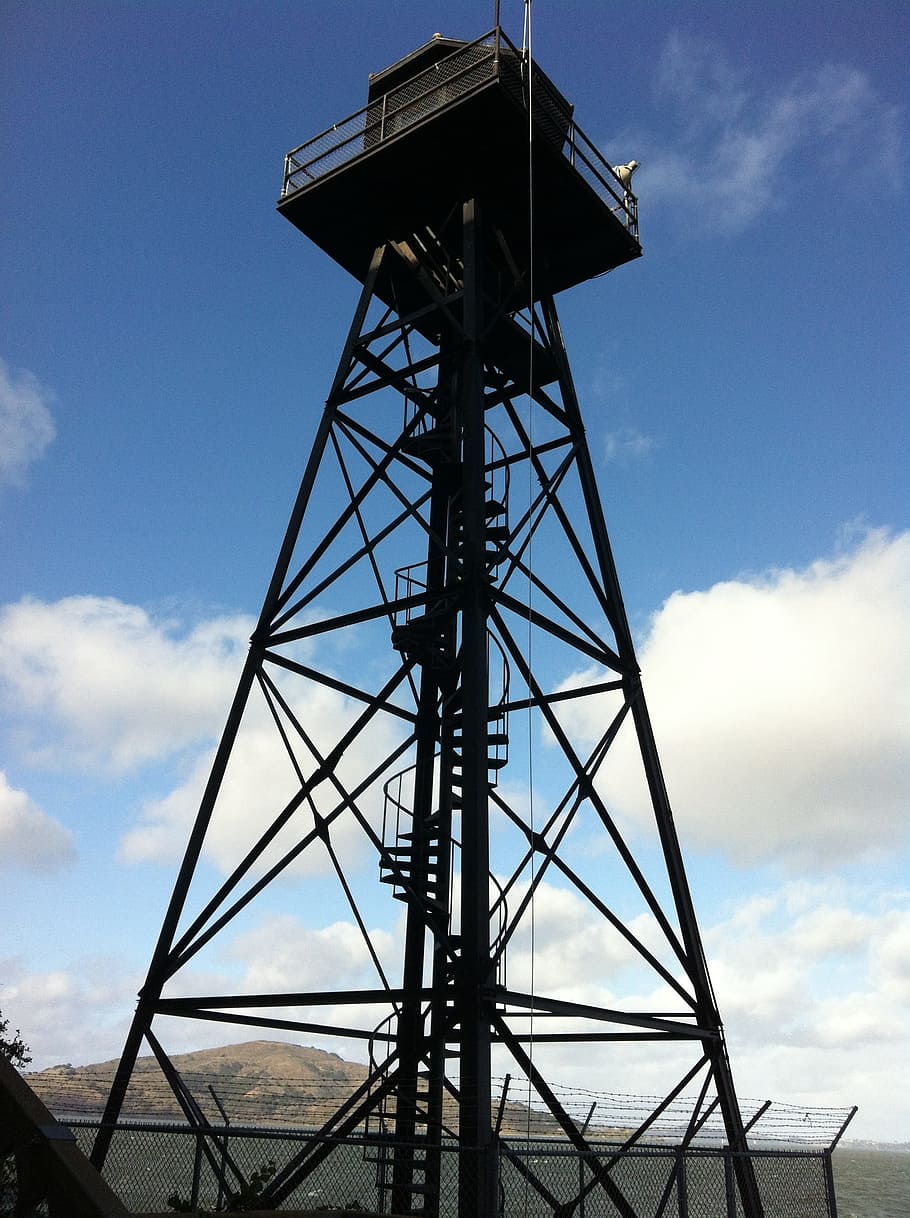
(442, 698)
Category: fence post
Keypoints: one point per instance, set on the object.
(682, 1183)
(197, 1171)
(831, 1196)
(728, 1182)
(581, 1162)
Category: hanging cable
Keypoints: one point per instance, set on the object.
(528, 61)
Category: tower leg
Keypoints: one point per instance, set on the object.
(708, 1015)
(517, 591)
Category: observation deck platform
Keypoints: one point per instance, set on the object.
(448, 123)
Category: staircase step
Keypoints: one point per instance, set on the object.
(417, 630)
(434, 904)
(427, 444)
(492, 738)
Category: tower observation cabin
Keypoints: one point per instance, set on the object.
(450, 122)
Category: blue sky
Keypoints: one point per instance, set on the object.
(168, 341)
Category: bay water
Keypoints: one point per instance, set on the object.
(872, 1183)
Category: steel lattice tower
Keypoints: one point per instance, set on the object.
(443, 677)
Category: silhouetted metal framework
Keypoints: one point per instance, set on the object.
(443, 672)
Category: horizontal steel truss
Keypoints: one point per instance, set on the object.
(453, 355)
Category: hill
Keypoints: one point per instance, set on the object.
(259, 1082)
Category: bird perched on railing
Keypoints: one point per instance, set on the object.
(629, 202)
(624, 173)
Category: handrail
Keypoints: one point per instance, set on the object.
(348, 129)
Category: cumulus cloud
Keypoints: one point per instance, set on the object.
(741, 146)
(78, 1015)
(813, 988)
(29, 838)
(563, 946)
(811, 980)
(93, 682)
(26, 425)
(259, 781)
(283, 955)
(780, 707)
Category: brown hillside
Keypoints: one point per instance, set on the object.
(259, 1082)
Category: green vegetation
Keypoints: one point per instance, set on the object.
(13, 1048)
(247, 1197)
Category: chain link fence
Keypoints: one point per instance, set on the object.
(149, 1164)
(543, 1180)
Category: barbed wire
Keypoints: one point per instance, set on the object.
(299, 1100)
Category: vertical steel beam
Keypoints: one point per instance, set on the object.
(476, 1176)
(417, 1085)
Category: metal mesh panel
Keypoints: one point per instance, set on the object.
(394, 112)
(552, 113)
(652, 1181)
(656, 1180)
(424, 94)
(793, 1185)
(148, 1163)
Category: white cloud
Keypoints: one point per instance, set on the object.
(811, 981)
(29, 838)
(563, 946)
(92, 682)
(742, 147)
(282, 955)
(780, 706)
(258, 783)
(815, 1000)
(78, 1015)
(890, 956)
(26, 425)
(627, 444)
